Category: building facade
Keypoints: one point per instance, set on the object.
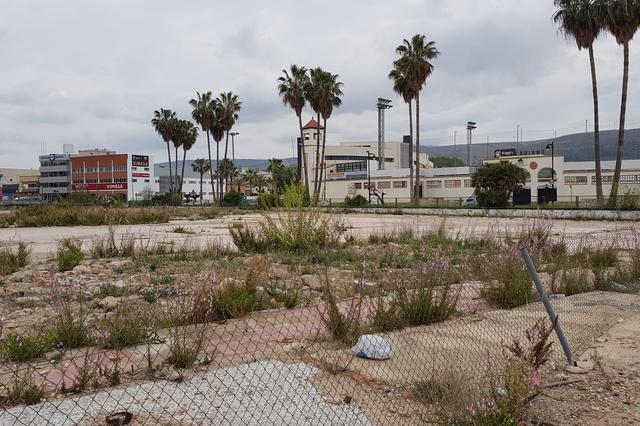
(55, 176)
(106, 173)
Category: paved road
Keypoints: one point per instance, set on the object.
(43, 240)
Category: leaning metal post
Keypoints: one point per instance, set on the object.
(547, 305)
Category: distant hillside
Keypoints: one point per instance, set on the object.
(240, 163)
(576, 147)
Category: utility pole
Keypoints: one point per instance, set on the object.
(381, 105)
(455, 150)
(517, 138)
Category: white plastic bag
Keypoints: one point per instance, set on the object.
(370, 346)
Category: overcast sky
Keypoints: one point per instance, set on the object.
(91, 73)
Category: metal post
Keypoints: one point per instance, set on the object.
(369, 175)
(547, 305)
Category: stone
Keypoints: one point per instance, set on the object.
(286, 285)
(109, 303)
(81, 269)
(312, 282)
(28, 301)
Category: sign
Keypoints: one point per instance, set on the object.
(533, 165)
(139, 160)
(79, 187)
(52, 157)
(140, 175)
(504, 153)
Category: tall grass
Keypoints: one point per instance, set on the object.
(69, 254)
(508, 282)
(12, 259)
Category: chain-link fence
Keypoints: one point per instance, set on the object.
(216, 359)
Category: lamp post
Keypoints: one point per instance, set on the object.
(381, 105)
(369, 157)
(551, 147)
(471, 125)
(233, 146)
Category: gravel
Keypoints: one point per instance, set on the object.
(260, 393)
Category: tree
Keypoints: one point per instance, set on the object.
(495, 182)
(229, 106)
(323, 92)
(583, 20)
(622, 18)
(250, 177)
(414, 64)
(188, 137)
(262, 182)
(402, 87)
(277, 169)
(202, 166)
(217, 133)
(203, 113)
(446, 162)
(291, 88)
(164, 123)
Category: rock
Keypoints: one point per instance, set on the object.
(169, 373)
(286, 285)
(312, 282)
(28, 301)
(371, 346)
(118, 284)
(109, 303)
(575, 369)
(81, 269)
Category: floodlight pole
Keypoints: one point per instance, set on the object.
(471, 125)
(381, 105)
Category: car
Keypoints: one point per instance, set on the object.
(471, 202)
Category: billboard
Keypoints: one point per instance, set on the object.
(139, 160)
(80, 187)
(140, 175)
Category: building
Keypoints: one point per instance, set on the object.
(19, 184)
(349, 166)
(105, 173)
(55, 176)
(190, 180)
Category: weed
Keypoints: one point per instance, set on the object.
(575, 282)
(602, 258)
(22, 389)
(187, 343)
(69, 254)
(111, 373)
(508, 282)
(23, 348)
(125, 328)
(247, 240)
(12, 260)
(344, 327)
(107, 247)
(112, 290)
(290, 299)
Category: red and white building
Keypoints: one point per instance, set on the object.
(107, 173)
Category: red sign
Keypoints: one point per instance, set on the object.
(142, 175)
(80, 187)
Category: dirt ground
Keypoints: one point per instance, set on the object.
(608, 393)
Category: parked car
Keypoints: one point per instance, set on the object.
(471, 202)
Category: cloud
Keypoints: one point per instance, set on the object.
(92, 73)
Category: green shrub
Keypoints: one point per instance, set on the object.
(25, 348)
(127, 327)
(357, 201)
(22, 390)
(493, 199)
(231, 199)
(187, 343)
(247, 240)
(11, 260)
(70, 329)
(69, 254)
(508, 284)
(574, 282)
(267, 201)
(602, 258)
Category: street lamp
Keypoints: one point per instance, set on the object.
(471, 125)
(233, 146)
(551, 147)
(381, 105)
(370, 156)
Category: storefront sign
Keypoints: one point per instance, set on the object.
(140, 160)
(140, 175)
(80, 187)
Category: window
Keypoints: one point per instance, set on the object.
(306, 138)
(359, 166)
(400, 184)
(434, 184)
(467, 183)
(91, 181)
(146, 169)
(135, 169)
(90, 169)
(452, 183)
(630, 179)
(575, 180)
(192, 182)
(366, 185)
(605, 179)
(157, 181)
(357, 185)
(384, 185)
(120, 180)
(146, 180)
(105, 180)
(120, 168)
(353, 158)
(134, 180)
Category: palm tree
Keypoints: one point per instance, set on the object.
(225, 170)
(312, 94)
(230, 106)
(331, 90)
(203, 113)
(414, 64)
(189, 136)
(177, 143)
(402, 88)
(291, 88)
(261, 182)
(622, 19)
(582, 20)
(251, 177)
(201, 166)
(164, 123)
(217, 133)
(276, 168)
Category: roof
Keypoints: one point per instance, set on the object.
(312, 124)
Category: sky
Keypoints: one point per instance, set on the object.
(91, 73)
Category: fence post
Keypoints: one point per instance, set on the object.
(577, 202)
(547, 305)
(396, 201)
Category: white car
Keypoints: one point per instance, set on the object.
(471, 202)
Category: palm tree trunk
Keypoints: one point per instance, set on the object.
(224, 162)
(184, 157)
(304, 156)
(623, 111)
(324, 142)
(596, 126)
(417, 182)
(170, 172)
(315, 180)
(176, 173)
(411, 153)
(217, 171)
(201, 188)
(213, 188)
